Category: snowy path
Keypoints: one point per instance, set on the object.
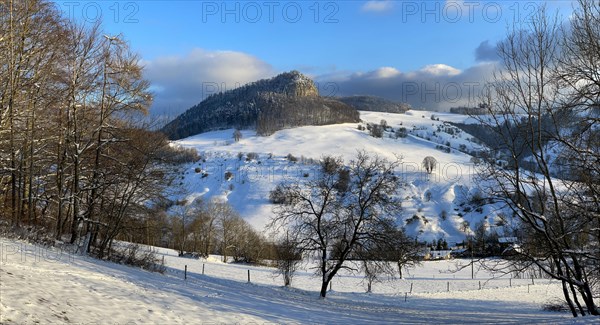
(41, 286)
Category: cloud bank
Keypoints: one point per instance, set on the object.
(486, 52)
(179, 82)
(433, 87)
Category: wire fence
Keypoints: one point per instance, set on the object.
(356, 283)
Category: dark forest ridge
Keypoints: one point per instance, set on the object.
(288, 100)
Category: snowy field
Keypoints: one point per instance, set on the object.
(46, 286)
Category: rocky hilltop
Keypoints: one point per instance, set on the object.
(288, 100)
(375, 104)
(292, 84)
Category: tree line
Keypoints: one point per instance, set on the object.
(74, 160)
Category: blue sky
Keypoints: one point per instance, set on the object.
(347, 42)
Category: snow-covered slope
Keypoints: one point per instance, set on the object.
(439, 201)
(47, 286)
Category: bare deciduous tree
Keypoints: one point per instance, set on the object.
(429, 164)
(237, 135)
(288, 258)
(335, 223)
(72, 159)
(546, 96)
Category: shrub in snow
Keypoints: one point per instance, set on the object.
(179, 155)
(135, 255)
(252, 156)
(556, 306)
(427, 196)
(401, 132)
(384, 124)
(375, 130)
(413, 219)
(443, 215)
(278, 195)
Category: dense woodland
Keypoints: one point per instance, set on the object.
(375, 104)
(279, 112)
(74, 163)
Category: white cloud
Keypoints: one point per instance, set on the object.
(440, 70)
(385, 72)
(179, 82)
(378, 6)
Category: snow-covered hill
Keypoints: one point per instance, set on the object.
(435, 206)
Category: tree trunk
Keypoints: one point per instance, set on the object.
(568, 299)
(324, 286)
(588, 298)
(574, 292)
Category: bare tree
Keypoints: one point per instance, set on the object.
(401, 249)
(237, 135)
(73, 159)
(429, 164)
(231, 230)
(288, 258)
(333, 222)
(373, 270)
(203, 229)
(545, 96)
(31, 34)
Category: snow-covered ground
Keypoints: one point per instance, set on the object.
(438, 200)
(39, 285)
